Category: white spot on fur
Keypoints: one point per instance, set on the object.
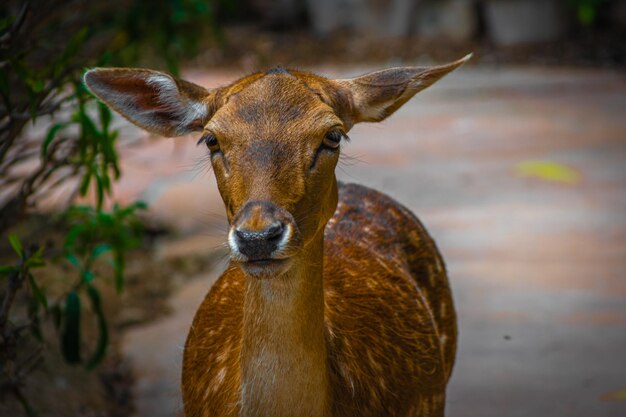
(346, 374)
(219, 379)
(222, 356)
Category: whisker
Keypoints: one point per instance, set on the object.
(201, 167)
(352, 159)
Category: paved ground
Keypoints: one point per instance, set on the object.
(520, 175)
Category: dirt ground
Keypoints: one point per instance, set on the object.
(519, 175)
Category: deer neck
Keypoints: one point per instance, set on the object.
(283, 354)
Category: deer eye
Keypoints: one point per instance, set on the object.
(333, 139)
(210, 141)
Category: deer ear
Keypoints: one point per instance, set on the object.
(154, 101)
(375, 96)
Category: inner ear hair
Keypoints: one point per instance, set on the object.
(379, 94)
(153, 100)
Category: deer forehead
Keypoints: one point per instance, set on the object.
(277, 108)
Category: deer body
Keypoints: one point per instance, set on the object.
(336, 301)
(357, 353)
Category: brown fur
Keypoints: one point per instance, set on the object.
(358, 320)
(385, 358)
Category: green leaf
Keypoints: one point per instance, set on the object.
(586, 14)
(70, 241)
(89, 127)
(56, 128)
(73, 260)
(37, 292)
(103, 333)
(7, 269)
(105, 116)
(70, 335)
(119, 272)
(17, 245)
(87, 276)
(37, 85)
(84, 184)
(130, 209)
(100, 249)
(106, 181)
(38, 254)
(33, 262)
(99, 191)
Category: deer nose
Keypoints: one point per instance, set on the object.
(259, 244)
(262, 231)
(268, 233)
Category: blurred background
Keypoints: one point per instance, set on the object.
(516, 163)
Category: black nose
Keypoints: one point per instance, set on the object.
(259, 244)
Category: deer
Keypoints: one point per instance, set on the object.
(336, 300)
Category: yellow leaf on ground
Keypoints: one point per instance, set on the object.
(547, 171)
(615, 396)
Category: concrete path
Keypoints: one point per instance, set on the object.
(520, 175)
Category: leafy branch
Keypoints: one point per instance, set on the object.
(95, 237)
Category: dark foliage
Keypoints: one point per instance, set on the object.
(44, 48)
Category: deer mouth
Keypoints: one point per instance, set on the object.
(264, 268)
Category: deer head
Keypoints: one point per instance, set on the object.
(274, 140)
